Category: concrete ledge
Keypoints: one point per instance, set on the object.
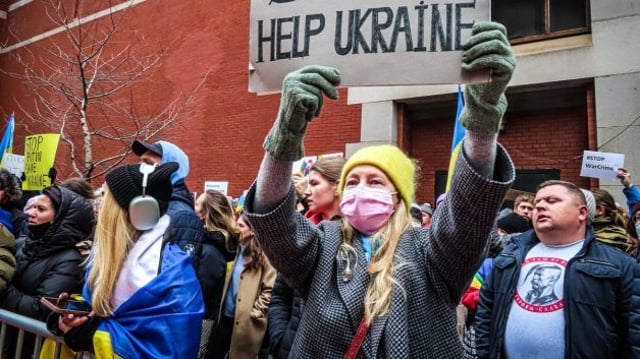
(564, 43)
(351, 148)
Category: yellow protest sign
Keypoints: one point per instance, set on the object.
(39, 157)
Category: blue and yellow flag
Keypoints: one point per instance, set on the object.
(6, 145)
(458, 134)
(161, 320)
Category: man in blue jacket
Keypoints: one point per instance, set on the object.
(555, 292)
(208, 260)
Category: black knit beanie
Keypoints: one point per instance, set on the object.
(55, 195)
(125, 183)
(514, 223)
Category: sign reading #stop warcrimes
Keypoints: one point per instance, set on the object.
(371, 42)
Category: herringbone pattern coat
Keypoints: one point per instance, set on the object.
(432, 267)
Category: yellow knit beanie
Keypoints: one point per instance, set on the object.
(392, 161)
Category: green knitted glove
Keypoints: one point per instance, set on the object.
(300, 102)
(485, 104)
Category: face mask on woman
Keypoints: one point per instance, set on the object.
(638, 228)
(367, 209)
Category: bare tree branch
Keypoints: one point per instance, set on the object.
(84, 89)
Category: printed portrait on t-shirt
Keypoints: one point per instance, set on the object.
(541, 288)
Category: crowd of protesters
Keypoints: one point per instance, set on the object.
(340, 263)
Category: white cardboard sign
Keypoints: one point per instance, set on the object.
(601, 164)
(371, 42)
(220, 186)
(13, 163)
(304, 164)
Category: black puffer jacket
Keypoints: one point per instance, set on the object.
(51, 264)
(214, 255)
(285, 310)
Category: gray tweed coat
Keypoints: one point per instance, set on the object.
(432, 267)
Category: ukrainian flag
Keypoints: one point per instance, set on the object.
(6, 144)
(458, 134)
(161, 320)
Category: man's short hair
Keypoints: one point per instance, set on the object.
(570, 187)
(524, 197)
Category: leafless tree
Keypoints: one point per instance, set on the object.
(85, 87)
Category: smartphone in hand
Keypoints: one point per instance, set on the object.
(66, 306)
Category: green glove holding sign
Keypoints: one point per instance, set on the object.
(485, 104)
(300, 102)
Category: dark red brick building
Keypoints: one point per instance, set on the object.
(547, 127)
(223, 136)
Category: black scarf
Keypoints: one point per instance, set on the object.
(38, 230)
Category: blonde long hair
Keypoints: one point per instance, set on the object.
(379, 293)
(114, 238)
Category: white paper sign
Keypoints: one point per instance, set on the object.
(304, 164)
(371, 42)
(13, 163)
(220, 186)
(601, 164)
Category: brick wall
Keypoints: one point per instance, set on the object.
(223, 132)
(548, 139)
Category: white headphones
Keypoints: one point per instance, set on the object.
(144, 211)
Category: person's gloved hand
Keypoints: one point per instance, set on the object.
(300, 102)
(485, 104)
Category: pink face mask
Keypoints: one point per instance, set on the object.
(367, 209)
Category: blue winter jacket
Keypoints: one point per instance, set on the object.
(633, 196)
(189, 232)
(598, 287)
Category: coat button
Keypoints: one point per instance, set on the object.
(239, 300)
(237, 322)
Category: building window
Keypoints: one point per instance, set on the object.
(534, 20)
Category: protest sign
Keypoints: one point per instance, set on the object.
(369, 41)
(13, 163)
(39, 157)
(303, 165)
(220, 186)
(601, 164)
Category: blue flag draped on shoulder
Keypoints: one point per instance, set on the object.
(6, 145)
(163, 319)
(458, 134)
